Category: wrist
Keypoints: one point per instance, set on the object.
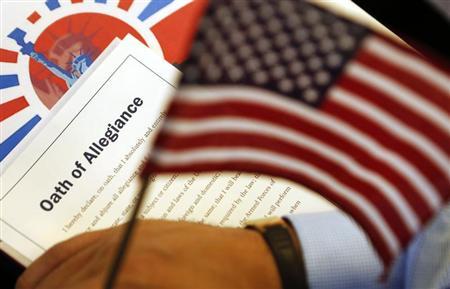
(254, 261)
(284, 245)
(267, 270)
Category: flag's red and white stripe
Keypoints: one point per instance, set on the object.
(378, 146)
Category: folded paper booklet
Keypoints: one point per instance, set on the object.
(80, 170)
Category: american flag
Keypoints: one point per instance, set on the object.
(288, 89)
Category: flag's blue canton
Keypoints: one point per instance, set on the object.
(290, 47)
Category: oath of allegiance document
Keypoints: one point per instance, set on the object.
(104, 128)
(80, 172)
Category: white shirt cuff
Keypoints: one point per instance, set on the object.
(336, 252)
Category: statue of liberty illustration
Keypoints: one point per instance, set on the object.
(79, 64)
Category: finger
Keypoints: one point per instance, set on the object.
(54, 257)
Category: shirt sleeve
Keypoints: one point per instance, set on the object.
(426, 262)
(336, 252)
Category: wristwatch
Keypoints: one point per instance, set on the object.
(286, 250)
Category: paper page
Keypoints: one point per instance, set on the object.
(81, 172)
(65, 162)
(228, 199)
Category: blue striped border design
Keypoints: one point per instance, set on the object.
(152, 8)
(9, 80)
(52, 4)
(11, 142)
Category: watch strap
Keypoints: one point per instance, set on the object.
(286, 250)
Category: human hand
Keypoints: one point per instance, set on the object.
(162, 254)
